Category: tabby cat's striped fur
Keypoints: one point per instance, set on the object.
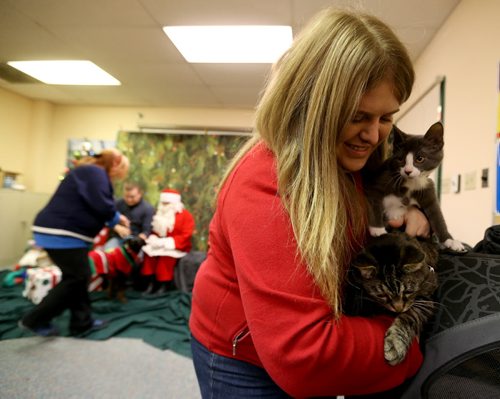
(394, 274)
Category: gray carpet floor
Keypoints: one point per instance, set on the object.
(71, 368)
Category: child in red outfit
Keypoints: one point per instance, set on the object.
(170, 240)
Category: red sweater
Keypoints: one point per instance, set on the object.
(254, 301)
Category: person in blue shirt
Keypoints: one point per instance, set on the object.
(82, 204)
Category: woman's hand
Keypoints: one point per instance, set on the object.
(122, 231)
(124, 221)
(415, 221)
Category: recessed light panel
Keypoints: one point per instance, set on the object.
(73, 72)
(230, 44)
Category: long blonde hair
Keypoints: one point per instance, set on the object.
(313, 93)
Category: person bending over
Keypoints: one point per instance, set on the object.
(82, 204)
(266, 316)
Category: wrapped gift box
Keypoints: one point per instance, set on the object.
(39, 281)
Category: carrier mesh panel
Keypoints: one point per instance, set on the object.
(477, 377)
(469, 289)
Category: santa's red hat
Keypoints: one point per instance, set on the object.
(170, 195)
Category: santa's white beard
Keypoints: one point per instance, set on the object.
(164, 219)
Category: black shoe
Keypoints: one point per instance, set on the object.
(44, 331)
(162, 290)
(165, 287)
(150, 290)
(97, 324)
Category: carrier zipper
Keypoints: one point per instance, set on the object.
(238, 337)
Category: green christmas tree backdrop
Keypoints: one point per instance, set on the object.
(192, 164)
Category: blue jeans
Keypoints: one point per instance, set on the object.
(221, 377)
(113, 243)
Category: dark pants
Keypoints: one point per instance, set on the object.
(221, 377)
(70, 293)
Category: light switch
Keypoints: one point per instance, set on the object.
(455, 184)
(484, 177)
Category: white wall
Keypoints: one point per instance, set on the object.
(466, 50)
(34, 134)
(15, 121)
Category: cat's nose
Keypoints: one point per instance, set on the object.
(399, 306)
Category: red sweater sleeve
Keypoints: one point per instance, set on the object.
(302, 348)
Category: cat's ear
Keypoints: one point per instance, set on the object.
(411, 253)
(435, 135)
(412, 258)
(367, 271)
(398, 136)
(364, 264)
(412, 267)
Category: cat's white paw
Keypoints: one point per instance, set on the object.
(396, 213)
(454, 245)
(394, 209)
(377, 231)
(395, 348)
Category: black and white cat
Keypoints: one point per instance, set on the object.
(403, 180)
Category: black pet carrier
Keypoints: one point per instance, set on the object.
(462, 344)
(186, 269)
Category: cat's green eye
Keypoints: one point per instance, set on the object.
(419, 159)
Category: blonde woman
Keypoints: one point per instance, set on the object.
(267, 315)
(82, 204)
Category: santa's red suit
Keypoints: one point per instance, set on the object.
(170, 239)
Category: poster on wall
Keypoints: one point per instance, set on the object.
(78, 148)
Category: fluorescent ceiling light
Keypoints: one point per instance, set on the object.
(66, 72)
(230, 44)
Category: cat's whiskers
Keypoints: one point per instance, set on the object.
(397, 179)
(424, 306)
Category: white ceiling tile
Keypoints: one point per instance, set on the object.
(124, 37)
(243, 75)
(221, 12)
(84, 12)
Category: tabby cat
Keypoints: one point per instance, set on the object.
(403, 180)
(394, 274)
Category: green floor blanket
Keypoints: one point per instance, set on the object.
(159, 321)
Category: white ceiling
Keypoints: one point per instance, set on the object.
(124, 37)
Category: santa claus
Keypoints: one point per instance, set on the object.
(172, 229)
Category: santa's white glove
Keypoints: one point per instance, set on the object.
(164, 243)
(151, 239)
